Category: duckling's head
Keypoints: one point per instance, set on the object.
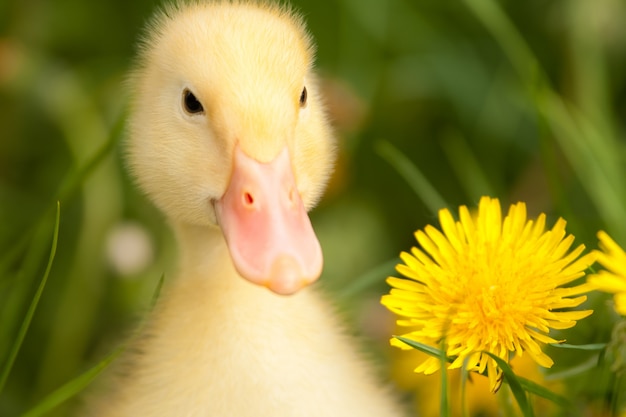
(227, 129)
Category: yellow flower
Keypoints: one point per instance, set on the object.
(487, 284)
(613, 279)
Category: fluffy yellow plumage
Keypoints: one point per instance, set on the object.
(227, 135)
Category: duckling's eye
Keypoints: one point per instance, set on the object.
(303, 97)
(191, 103)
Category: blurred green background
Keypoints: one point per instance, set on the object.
(517, 100)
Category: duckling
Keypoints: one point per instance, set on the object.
(228, 137)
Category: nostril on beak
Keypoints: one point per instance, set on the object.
(248, 199)
(292, 196)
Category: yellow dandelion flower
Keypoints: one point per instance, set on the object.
(487, 284)
(613, 279)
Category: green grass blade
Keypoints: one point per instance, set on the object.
(467, 166)
(78, 384)
(585, 366)
(593, 154)
(19, 279)
(74, 179)
(71, 388)
(157, 291)
(619, 388)
(372, 277)
(412, 175)
(12, 254)
(493, 17)
(33, 305)
(514, 384)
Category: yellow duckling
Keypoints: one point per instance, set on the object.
(228, 137)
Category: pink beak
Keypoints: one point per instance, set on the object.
(267, 230)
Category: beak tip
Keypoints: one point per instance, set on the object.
(288, 276)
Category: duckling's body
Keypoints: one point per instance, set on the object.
(219, 343)
(218, 346)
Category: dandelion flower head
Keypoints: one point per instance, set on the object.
(488, 284)
(612, 279)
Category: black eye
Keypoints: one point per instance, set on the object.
(191, 103)
(303, 97)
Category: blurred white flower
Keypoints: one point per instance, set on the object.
(129, 248)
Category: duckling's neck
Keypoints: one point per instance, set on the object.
(200, 247)
(206, 272)
(204, 261)
(209, 287)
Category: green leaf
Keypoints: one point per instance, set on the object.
(17, 344)
(515, 384)
(437, 353)
(519, 386)
(543, 392)
(591, 346)
(444, 407)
